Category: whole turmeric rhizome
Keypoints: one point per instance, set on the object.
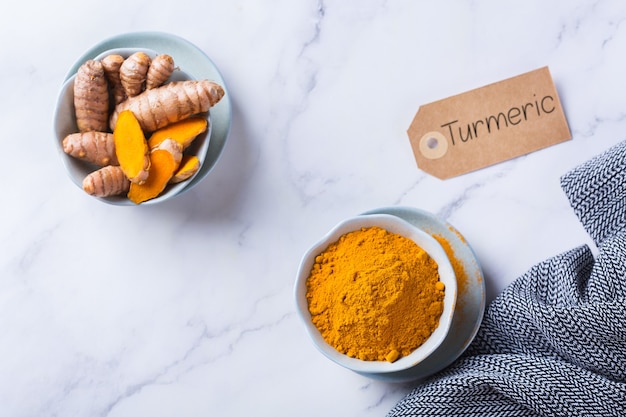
(375, 295)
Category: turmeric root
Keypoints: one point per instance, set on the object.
(133, 73)
(131, 148)
(164, 162)
(184, 132)
(111, 64)
(189, 165)
(95, 147)
(170, 103)
(173, 147)
(91, 97)
(160, 70)
(106, 182)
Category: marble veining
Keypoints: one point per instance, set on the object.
(186, 308)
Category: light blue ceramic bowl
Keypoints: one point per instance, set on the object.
(192, 63)
(394, 224)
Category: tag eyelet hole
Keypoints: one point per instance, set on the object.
(433, 145)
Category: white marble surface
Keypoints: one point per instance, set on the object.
(186, 308)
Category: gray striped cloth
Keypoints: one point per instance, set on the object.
(553, 343)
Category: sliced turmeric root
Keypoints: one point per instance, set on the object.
(164, 161)
(184, 131)
(189, 165)
(131, 148)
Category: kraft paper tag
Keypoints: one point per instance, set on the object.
(488, 125)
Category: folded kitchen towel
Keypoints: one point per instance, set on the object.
(554, 342)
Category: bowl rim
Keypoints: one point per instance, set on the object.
(393, 224)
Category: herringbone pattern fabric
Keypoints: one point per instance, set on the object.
(554, 342)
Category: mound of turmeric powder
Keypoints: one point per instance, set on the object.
(375, 295)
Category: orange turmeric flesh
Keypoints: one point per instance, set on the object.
(162, 167)
(184, 131)
(131, 147)
(189, 165)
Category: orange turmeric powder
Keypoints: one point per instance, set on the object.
(375, 295)
(462, 279)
